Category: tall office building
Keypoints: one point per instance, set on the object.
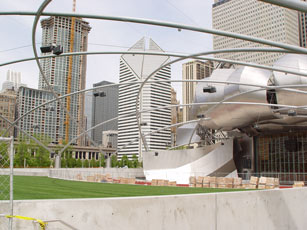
(303, 28)
(193, 70)
(13, 81)
(57, 30)
(7, 110)
(88, 115)
(136, 68)
(175, 115)
(104, 107)
(43, 121)
(257, 19)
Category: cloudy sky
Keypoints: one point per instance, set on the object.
(106, 35)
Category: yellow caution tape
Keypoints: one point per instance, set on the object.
(42, 224)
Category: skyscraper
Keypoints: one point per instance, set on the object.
(104, 107)
(88, 115)
(13, 81)
(193, 70)
(303, 28)
(64, 74)
(136, 68)
(7, 110)
(43, 121)
(256, 19)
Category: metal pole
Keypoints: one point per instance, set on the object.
(165, 24)
(11, 181)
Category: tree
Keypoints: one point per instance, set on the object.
(93, 162)
(124, 161)
(102, 162)
(63, 163)
(78, 163)
(114, 162)
(42, 158)
(135, 161)
(85, 163)
(22, 154)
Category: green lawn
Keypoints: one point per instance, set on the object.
(30, 187)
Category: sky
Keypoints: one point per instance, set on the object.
(107, 35)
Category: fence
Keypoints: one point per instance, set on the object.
(6, 179)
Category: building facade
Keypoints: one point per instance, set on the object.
(57, 30)
(134, 68)
(7, 110)
(88, 116)
(303, 28)
(193, 70)
(44, 121)
(257, 19)
(104, 108)
(109, 139)
(175, 115)
(13, 81)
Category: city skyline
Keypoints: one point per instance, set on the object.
(120, 36)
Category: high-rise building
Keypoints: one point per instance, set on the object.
(65, 76)
(104, 107)
(193, 70)
(88, 115)
(43, 121)
(13, 81)
(175, 115)
(7, 110)
(136, 68)
(257, 19)
(303, 28)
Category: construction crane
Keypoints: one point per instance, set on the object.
(68, 90)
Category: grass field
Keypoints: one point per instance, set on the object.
(29, 187)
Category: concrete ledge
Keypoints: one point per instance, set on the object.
(268, 209)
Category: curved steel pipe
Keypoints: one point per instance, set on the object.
(167, 24)
(149, 53)
(290, 4)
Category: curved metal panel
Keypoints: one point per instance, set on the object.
(298, 63)
(228, 117)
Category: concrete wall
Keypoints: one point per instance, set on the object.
(71, 173)
(27, 171)
(283, 209)
(179, 165)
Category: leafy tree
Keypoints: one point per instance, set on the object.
(63, 163)
(102, 162)
(130, 165)
(93, 162)
(114, 162)
(41, 154)
(78, 163)
(135, 161)
(86, 163)
(22, 154)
